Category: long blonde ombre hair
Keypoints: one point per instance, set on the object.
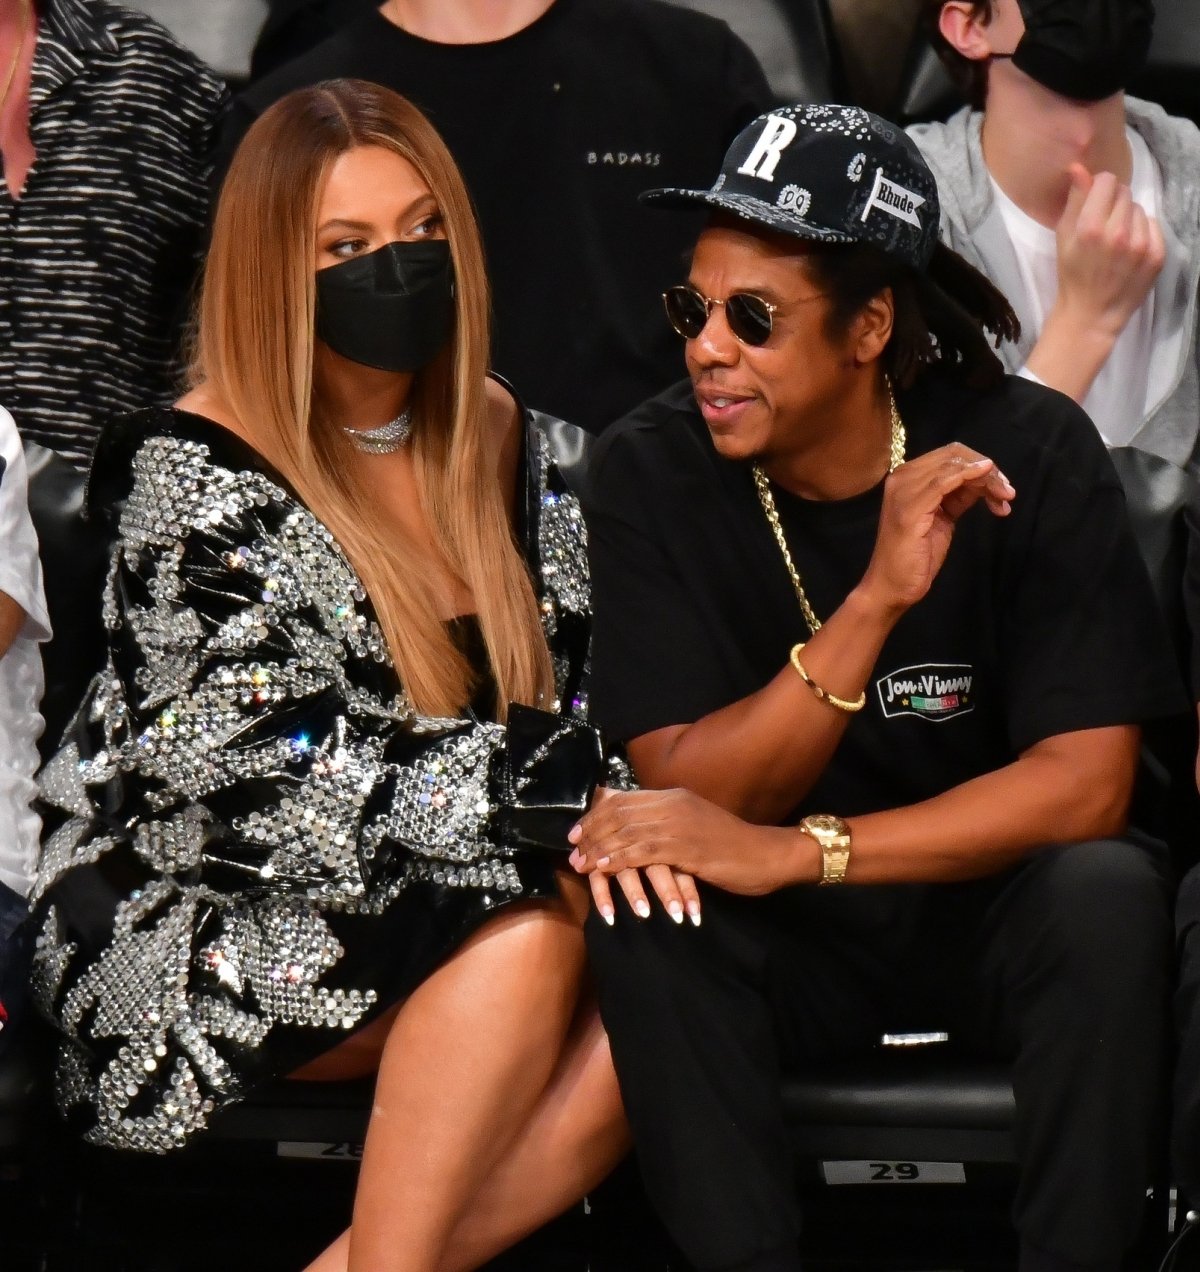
(254, 346)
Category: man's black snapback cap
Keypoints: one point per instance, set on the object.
(836, 174)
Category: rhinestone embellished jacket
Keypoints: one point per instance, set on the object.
(254, 845)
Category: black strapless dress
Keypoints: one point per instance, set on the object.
(468, 637)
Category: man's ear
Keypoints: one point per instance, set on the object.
(872, 328)
(965, 30)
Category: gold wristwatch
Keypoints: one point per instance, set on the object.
(833, 838)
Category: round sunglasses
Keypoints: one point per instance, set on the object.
(749, 316)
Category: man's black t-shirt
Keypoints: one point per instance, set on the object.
(557, 129)
(1040, 623)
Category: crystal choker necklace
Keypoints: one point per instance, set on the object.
(385, 439)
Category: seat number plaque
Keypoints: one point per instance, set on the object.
(313, 1150)
(867, 1172)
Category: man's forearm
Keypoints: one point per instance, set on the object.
(1067, 789)
(1069, 356)
(759, 756)
(1074, 787)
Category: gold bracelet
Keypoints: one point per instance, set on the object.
(824, 695)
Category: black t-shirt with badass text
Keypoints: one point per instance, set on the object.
(1038, 624)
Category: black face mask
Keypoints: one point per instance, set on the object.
(391, 308)
(1084, 49)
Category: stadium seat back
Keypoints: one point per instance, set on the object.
(794, 43)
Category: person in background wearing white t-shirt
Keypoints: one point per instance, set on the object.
(23, 624)
(1082, 204)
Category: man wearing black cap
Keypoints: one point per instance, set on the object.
(873, 610)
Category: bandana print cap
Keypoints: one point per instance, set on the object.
(834, 174)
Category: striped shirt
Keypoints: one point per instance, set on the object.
(98, 255)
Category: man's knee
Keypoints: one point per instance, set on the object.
(1107, 880)
(1186, 1119)
(1102, 909)
(655, 955)
(630, 951)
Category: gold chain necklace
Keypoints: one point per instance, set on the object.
(896, 458)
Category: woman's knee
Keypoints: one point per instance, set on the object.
(528, 963)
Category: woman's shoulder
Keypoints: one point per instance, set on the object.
(504, 407)
(555, 451)
(176, 453)
(553, 527)
(505, 420)
(515, 424)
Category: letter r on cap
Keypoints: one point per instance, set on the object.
(774, 139)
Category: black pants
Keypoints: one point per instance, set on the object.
(1186, 1120)
(1060, 965)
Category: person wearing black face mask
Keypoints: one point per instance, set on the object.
(1080, 203)
(1086, 51)
(576, 266)
(390, 309)
(1083, 205)
(344, 728)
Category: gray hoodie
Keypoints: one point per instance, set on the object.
(972, 225)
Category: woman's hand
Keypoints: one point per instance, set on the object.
(632, 830)
(676, 891)
(922, 501)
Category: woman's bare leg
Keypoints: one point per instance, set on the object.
(467, 1059)
(574, 1139)
(576, 1135)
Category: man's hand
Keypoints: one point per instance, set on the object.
(1110, 252)
(922, 501)
(639, 829)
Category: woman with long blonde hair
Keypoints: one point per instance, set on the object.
(310, 819)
